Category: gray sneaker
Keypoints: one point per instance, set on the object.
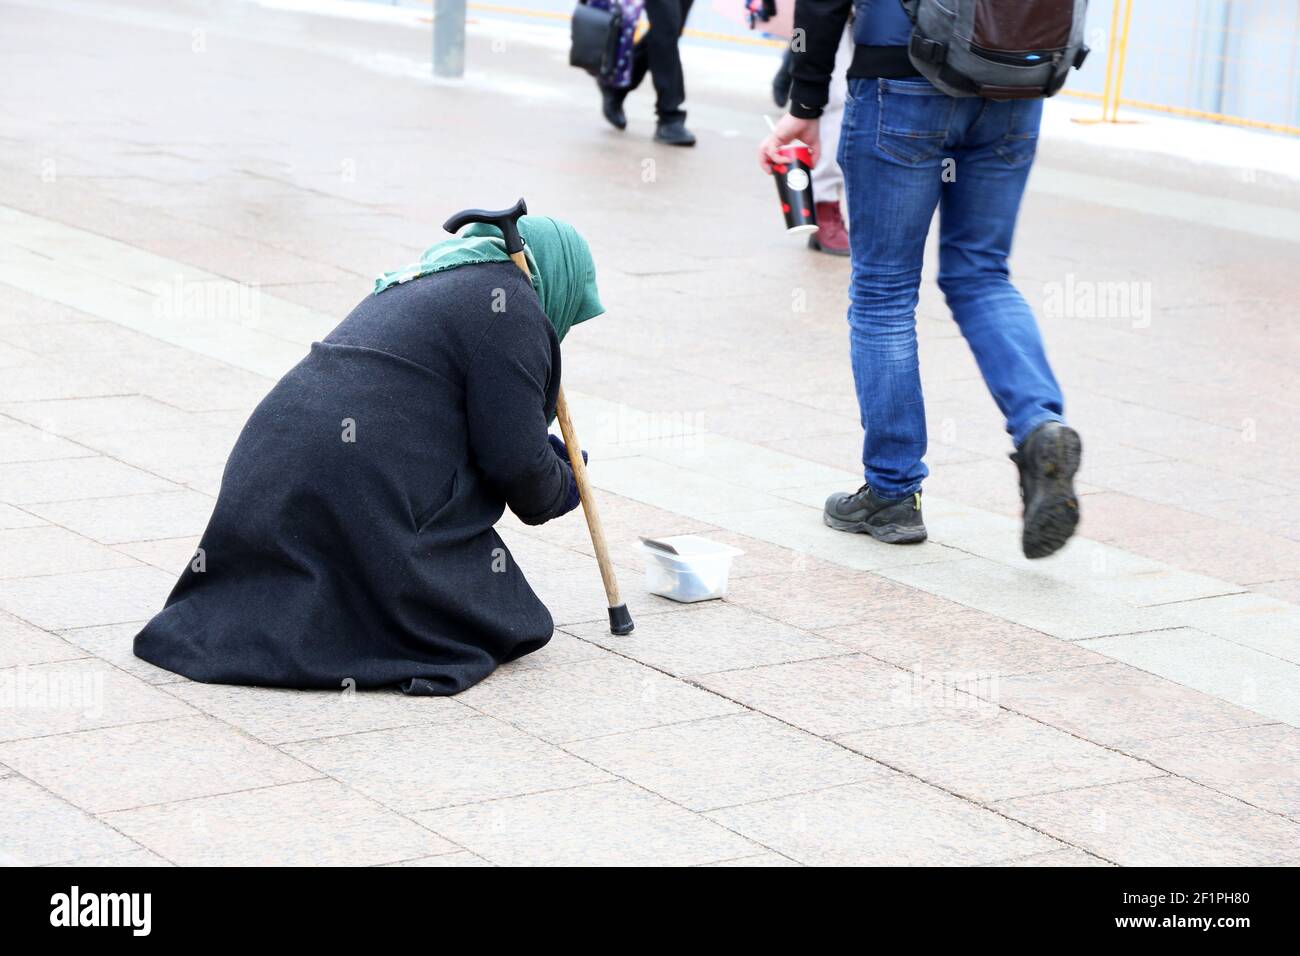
(865, 512)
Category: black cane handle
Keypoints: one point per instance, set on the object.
(507, 220)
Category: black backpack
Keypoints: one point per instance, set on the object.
(999, 49)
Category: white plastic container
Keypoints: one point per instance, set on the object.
(687, 567)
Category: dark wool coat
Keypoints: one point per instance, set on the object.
(353, 537)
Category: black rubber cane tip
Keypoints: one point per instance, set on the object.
(620, 620)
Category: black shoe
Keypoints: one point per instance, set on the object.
(783, 81)
(611, 106)
(864, 512)
(1047, 461)
(674, 133)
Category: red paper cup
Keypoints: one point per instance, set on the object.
(794, 188)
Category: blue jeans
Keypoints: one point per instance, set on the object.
(906, 148)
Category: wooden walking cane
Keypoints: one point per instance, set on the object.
(507, 220)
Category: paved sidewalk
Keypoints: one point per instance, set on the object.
(189, 195)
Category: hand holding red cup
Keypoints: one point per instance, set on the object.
(794, 188)
(789, 154)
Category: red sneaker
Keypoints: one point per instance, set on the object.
(832, 235)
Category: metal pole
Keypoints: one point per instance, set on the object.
(449, 38)
(1221, 70)
(1121, 62)
(1112, 47)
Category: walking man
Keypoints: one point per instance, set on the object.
(656, 53)
(906, 148)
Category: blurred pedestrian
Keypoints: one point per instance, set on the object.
(906, 148)
(832, 235)
(655, 53)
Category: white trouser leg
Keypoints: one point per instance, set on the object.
(827, 180)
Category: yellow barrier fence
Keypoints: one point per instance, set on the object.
(1235, 62)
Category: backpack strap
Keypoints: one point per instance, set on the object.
(1009, 92)
(927, 50)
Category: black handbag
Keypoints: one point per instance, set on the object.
(594, 35)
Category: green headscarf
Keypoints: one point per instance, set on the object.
(559, 264)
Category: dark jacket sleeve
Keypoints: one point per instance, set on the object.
(510, 385)
(820, 24)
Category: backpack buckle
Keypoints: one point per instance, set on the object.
(1081, 55)
(927, 50)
